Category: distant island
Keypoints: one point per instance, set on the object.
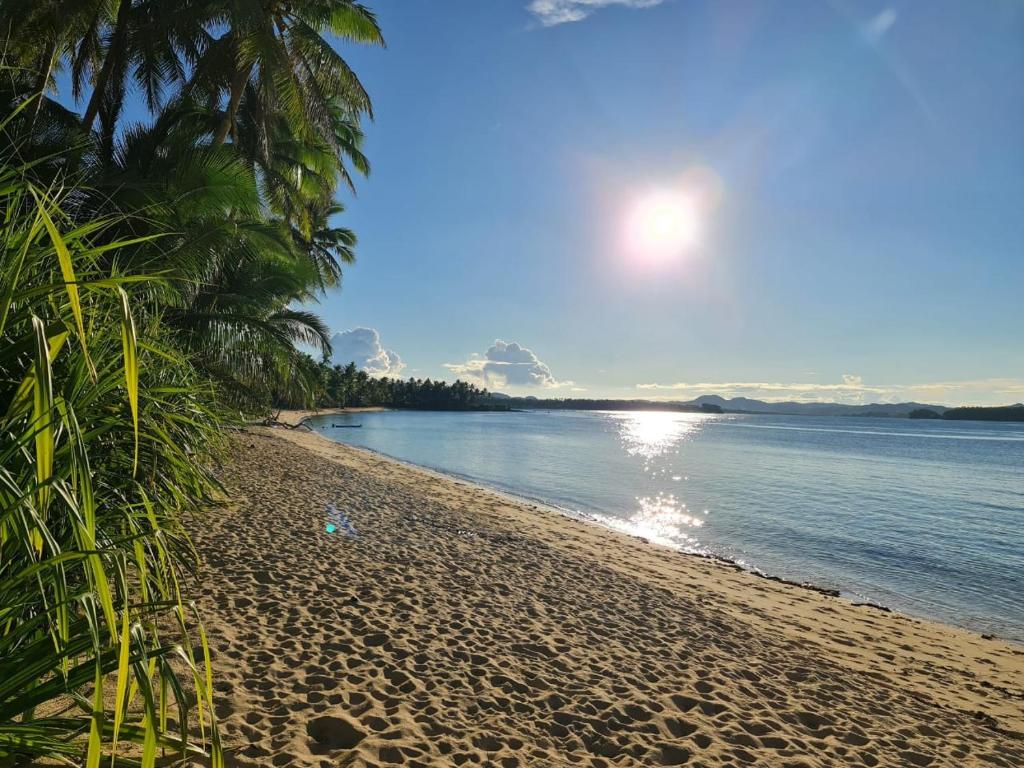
(347, 386)
(506, 402)
(793, 408)
(973, 413)
(976, 413)
(718, 404)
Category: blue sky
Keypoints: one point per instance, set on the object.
(859, 168)
(868, 161)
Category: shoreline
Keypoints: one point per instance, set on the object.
(457, 625)
(295, 417)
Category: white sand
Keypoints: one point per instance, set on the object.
(462, 627)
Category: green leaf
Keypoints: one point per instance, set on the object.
(120, 701)
(129, 346)
(96, 726)
(68, 272)
(42, 423)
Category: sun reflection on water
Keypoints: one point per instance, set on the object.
(660, 517)
(653, 433)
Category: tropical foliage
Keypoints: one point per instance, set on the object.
(149, 275)
(340, 386)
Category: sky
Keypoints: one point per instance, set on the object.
(858, 169)
(799, 199)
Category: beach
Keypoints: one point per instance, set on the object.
(440, 623)
(293, 417)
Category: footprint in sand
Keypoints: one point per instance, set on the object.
(330, 734)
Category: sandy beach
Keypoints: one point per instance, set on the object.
(295, 416)
(442, 624)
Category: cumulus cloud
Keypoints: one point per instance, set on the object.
(362, 346)
(879, 24)
(853, 390)
(552, 12)
(507, 364)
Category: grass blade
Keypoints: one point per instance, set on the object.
(67, 270)
(131, 368)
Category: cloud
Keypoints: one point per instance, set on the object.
(552, 12)
(362, 346)
(879, 24)
(507, 364)
(853, 390)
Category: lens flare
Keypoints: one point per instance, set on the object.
(663, 225)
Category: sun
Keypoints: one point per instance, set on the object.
(663, 225)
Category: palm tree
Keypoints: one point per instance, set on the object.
(110, 47)
(275, 61)
(240, 327)
(150, 281)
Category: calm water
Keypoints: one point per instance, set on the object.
(926, 517)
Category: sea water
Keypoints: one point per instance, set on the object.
(926, 517)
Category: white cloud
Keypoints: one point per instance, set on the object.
(552, 12)
(879, 24)
(362, 346)
(853, 390)
(507, 364)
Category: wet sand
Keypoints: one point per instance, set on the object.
(461, 627)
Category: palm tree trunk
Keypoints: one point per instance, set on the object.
(238, 81)
(118, 40)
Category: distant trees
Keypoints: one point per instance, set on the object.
(973, 413)
(341, 386)
(582, 404)
(978, 413)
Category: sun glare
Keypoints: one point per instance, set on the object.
(663, 225)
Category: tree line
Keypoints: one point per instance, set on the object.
(153, 259)
(348, 386)
(588, 404)
(974, 413)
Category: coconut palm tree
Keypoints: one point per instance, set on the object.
(275, 57)
(151, 278)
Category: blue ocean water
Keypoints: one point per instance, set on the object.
(926, 517)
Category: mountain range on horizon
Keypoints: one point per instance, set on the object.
(749, 405)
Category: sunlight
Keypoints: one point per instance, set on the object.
(663, 225)
(652, 433)
(661, 519)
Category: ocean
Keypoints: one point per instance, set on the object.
(925, 517)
